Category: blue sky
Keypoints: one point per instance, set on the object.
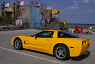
(84, 10)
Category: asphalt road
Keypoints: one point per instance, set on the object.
(9, 55)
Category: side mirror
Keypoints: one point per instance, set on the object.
(35, 36)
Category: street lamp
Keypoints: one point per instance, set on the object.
(73, 20)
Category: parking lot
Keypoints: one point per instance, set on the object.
(9, 55)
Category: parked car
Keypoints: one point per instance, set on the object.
(55, 42)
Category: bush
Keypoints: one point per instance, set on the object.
(7, 20)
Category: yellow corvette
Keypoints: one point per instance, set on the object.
(55, 42)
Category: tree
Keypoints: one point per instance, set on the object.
(6, 19)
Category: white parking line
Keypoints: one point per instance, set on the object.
(32, 56)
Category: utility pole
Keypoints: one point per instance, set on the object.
(73, 20)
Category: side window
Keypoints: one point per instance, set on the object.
(62, 35)
(45, 34)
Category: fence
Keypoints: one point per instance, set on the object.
(23, 23)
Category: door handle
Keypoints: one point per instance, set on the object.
(48, 39)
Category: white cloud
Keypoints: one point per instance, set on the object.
(73, 7)
(54, 5)
(93, 1)
(92, 10)
(60, 10)
(75, 2)
(84, 1)
(70, 8)
(86, 11)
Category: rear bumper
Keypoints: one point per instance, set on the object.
(85, 49)
(80, 51)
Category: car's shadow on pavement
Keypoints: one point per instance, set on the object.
(84, 56)
(39, 52)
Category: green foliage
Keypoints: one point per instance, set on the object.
(1, 20)
(7, 19)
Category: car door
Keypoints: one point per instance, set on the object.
(41, 41)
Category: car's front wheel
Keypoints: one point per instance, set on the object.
(18, 44)
(61, 52)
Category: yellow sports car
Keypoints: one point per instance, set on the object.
(55, 42)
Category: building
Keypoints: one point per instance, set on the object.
(29, 16)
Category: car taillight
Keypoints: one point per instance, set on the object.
(83, 42)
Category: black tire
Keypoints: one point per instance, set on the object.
(18, 44)
(61, 52)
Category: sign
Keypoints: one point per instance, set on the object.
(56, 11)
(25, 2)
(6, 4)
(37, 4)
(64, 23)
(11, 4)
(21, 3)
(49, 7)
(32, 3)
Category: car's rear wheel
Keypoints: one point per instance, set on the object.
(61, 52)
(18, 44)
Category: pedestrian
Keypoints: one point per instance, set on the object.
(86, 32)
(81, 30)
(77, 30)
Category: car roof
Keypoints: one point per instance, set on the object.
(52, 30)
